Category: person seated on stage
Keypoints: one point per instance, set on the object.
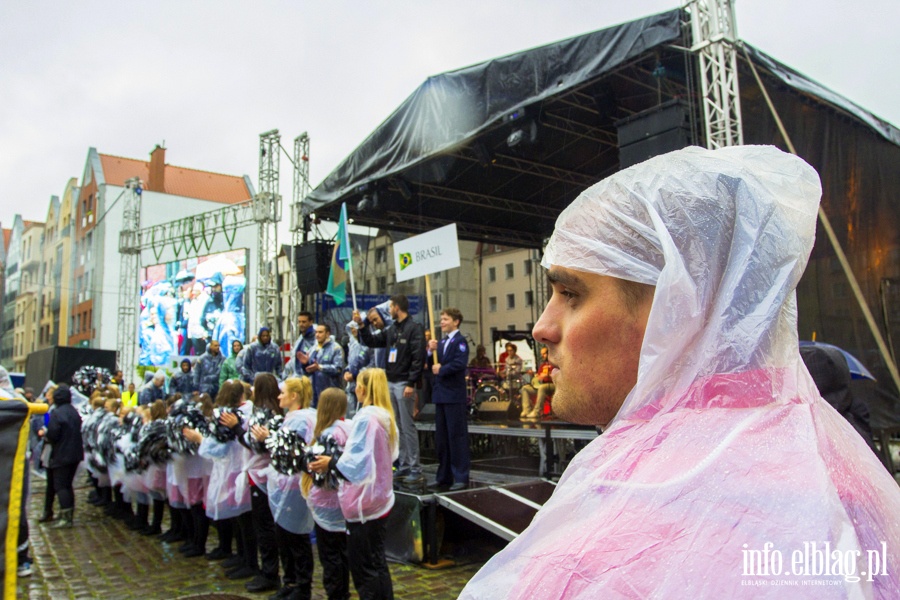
(510, 365)
(673, 327)
(542, 386)
(481, 361)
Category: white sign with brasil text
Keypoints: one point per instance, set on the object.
(427, 253)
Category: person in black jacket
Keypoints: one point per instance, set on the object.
(405, 342)
(63, 433)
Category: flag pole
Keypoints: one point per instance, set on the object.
(349, 254)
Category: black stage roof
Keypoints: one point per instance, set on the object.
(445, 155)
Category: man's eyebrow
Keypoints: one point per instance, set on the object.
(564, 278)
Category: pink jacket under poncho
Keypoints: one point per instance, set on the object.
(724, 475)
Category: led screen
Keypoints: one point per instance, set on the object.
(187, 303)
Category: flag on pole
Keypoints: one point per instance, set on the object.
(340, 262)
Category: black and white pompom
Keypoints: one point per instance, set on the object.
(287, 451)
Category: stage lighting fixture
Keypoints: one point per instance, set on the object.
(522, 136)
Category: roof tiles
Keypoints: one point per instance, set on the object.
(179, 181)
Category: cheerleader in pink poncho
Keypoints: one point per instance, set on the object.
(720, 472)
(366, 492)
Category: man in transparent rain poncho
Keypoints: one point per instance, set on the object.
(720, 472)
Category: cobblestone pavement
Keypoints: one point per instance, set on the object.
(100, 558)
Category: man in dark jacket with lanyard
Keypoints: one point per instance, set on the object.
(451, 432)
(405, 342)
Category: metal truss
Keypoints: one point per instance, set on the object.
(130, 251)
(266, 213)
(714, 32)
(299, 232)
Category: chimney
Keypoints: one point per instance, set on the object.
(157, 182)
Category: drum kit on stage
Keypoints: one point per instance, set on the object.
(492, 396)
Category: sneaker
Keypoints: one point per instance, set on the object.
(261, 583)
(413, 479)
(25, 569)
(242, 573)
(218, 554)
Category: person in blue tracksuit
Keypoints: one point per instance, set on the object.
(262, 356)
(325, 363)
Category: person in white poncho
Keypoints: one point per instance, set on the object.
(720, 472)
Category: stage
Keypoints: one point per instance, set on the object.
(514, 464)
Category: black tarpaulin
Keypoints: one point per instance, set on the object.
(501, 147)
(421, 140)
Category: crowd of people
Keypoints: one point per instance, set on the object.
(257, 462)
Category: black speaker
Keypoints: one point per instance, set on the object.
(661, 129)
(312, 262)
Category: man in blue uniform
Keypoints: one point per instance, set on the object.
(206, 372)
(325, 363)
(262, 356)
(304, 344)
(451, 433)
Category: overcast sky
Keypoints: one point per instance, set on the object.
(207, 77)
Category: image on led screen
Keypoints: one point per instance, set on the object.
(187, 303)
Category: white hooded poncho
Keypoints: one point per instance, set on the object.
(723, 450)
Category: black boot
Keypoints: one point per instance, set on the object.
(139, 521)
(65, 519)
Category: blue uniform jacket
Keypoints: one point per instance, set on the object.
(262, 359)
(450, 382)
(206, 373)
(330, 357)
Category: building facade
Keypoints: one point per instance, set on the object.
(11, 292)
(28, 297)
(512, 289)
(169, 193)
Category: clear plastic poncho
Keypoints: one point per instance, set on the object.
(367, 493)
(286, 501)
(324, 504)
(228, 489)
(723, 450)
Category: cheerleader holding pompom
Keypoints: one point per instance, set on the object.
(331, 434)
(293, 522)
(366, 491)
(227, 491)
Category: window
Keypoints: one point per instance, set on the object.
(380, 255)
(492, 304)
(511, 327)
(526, 267)
(382, 285)
(492, 274)
(529, 326)
(510, 271)
(510, 301)
(438, 301)
(529, 298)
(493, 332)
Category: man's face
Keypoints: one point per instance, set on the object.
(185, 367)
(544, 353)
(265, 337)
(118, 376)
(214, 347)
(448, 324)
(131, 388)
(395, 312)
(511, 350)
(375, 319)
(303, 322)
(321, 334)
(594, 341)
